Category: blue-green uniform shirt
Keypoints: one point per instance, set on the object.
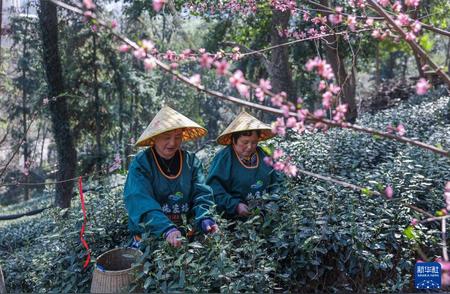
(157, 201)
(231, 181)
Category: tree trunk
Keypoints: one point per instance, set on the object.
(44, 136)
(377, 67)
(2, 280)
(345, 80)
(419, 65)
(98, 138)
(1, 31)
(59, 113)
(280, 71)
(121, 95)
(24, 110)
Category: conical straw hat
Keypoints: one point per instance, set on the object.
(245, 122)
(166, 120)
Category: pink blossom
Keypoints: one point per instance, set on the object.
(236, 53)
(114, 24)
(369, 22)
(265, 85)
(279, 166)
(306, 16)
(140, 53)
(389, 192)
(158, 4)
(89, 4)
(278, 153)
(45, 101)
(149, 63)
(351, 22)
(170, 55)
(402, 19)
(410, 36)
(339, 112)
(221, 67)
(284, 5)
(412, 3)
(319, 113)
(278, 99)
(88, 14)
(326, 99)
(299, 101)
(311, 64)
(237, 78)
(299, 127)
(312, 32)
(322, 85)
(202, 50)
(416, 26)
(384, 3)
(195, 79)
(285, 110)
(291, 122)
(302, 114)
(319, 20)
(397, 7)
(400, 129)
(376, 34)
(335, 19)
(414, 222)
(335, 89)
(206, 60)
(147, 45)
(422, 86)
(278, 127)
(94, 28)
(124, 48)
(173, 65)
(243, 90)
(445, 265)
(447, 195)
(290, 170)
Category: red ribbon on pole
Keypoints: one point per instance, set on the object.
(80, 188)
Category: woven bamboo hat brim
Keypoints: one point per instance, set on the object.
(245, 122)
(166, 120)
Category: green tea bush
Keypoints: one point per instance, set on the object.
(313, 237)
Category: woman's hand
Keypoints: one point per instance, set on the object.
(242, 209)
(174, 237)
(209, 226)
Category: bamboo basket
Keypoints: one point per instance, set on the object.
(113, 270)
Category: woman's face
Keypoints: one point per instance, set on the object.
(245, 146)
(167, 144)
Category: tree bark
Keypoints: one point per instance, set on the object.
(1, 30)
(2, 280)
(98, 138)
(345, 80)
(24, 118)
(59, 112)
(280, 70)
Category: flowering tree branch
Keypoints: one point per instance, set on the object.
(414, 46)
(167, 68)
